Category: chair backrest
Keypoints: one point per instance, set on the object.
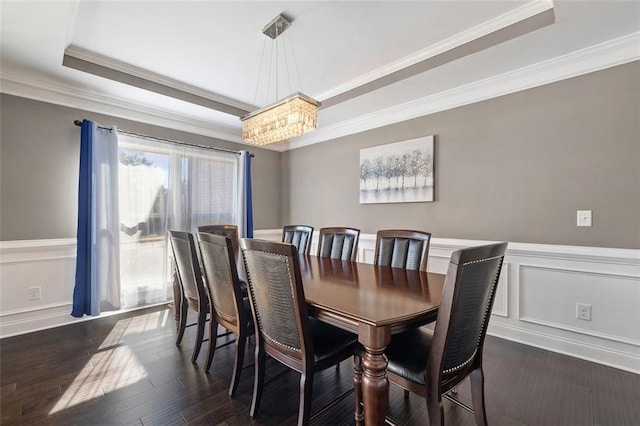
(187, 266)
(230, 231)
(401, 248)
(277, 296)
(461, 326)
(298, 235)
(221, 278)
(339, 243)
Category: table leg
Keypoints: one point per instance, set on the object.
(375, 386)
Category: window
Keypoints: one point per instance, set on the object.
(166, 186)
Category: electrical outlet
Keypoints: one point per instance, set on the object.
(35, 293)
(583, 311)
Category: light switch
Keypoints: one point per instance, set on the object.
(584, 217)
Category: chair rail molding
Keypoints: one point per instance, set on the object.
(535, 305)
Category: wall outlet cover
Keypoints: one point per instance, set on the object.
(583, 311)
(584, 218)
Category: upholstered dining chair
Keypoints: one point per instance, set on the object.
(228, 307)
(284, 330)
(298, 235)
(339, 243)
(193, 293)
(230, 231)
(431, 363)
(401, 248)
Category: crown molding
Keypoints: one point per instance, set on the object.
(13, 82)
(591, 59)
(594, 58)
(503, 21)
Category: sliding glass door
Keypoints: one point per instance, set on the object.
(166, 186)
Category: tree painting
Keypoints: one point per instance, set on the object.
(400, 172)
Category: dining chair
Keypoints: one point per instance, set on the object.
(193, 293)
(298, 235)
(432, 363)
(228, 307)
(400, 248)
(339, 243)
(230, 231)
(284, 330)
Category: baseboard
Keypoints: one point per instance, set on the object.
(44, 318)
(566, 346)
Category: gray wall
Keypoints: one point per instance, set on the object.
(39, 149)
(514, 168)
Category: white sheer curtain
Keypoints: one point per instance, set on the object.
(105, 259)
(166, 186)
(97, 283)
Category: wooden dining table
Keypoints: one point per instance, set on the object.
(374, 302)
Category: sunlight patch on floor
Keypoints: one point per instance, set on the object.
(114, 366)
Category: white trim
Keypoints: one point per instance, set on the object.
(594, 58)
(503, 285)
(629, 257)
(35, 309)
(36, 259)
(268, 234)
(19, 245)
(593, 346)
(512, 17)
(25, 86)
(560, 326)
(36, 250)
(50, 316)
(602, 355)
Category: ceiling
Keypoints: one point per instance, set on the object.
(370, 63)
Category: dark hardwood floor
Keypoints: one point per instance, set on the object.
(126, 370)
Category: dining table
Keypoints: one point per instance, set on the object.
(373, 302)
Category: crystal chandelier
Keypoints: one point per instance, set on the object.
(292, 116)
(287, 118)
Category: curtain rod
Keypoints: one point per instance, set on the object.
(79, 124)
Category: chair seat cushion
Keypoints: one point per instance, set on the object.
(408, 352)
(330, 342)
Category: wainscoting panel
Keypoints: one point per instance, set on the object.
(501, 302)
(48, 264)
(615, 314)
(535, 301)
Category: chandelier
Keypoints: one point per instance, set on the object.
(292, 116)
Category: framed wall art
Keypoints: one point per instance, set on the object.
(401, 172)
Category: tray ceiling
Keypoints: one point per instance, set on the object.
(360, 58)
